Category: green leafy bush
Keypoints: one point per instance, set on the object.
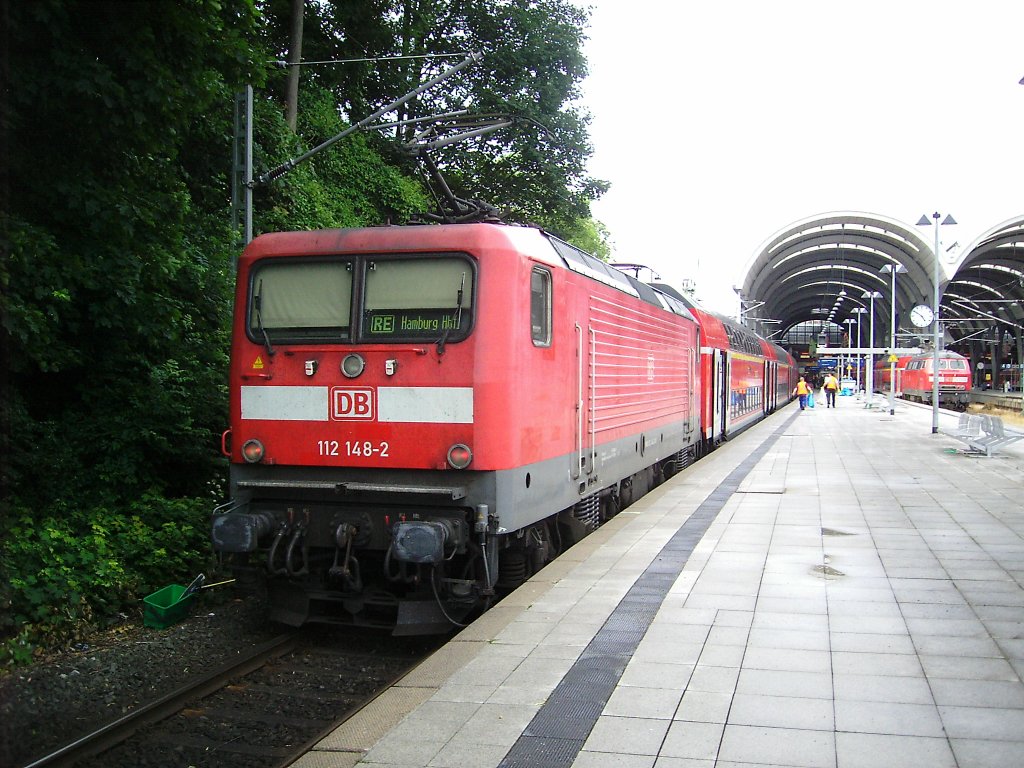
(77, 568)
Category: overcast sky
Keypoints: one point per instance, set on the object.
(720, 123)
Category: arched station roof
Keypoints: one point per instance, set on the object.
(988, 282)
(820, 268)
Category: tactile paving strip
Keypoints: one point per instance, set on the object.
(555, 736)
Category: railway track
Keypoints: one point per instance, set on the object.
(260, 711)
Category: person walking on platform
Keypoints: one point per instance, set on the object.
(802, 390)
(831, 387)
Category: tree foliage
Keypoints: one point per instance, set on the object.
(117, 284)
(117, 271)
(116, 280)
(531, 69)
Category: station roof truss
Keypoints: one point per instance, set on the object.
(820, 268)
(987, 287)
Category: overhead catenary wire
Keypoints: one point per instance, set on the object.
(282, 63)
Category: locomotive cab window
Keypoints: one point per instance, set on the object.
(300, 301)
(418, 298)
(540, 307)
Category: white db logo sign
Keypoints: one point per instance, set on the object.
(352, 404)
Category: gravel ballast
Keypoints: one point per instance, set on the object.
(52, 701)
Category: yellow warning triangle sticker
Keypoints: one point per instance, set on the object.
(258, 364)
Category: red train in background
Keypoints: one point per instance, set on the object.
(914, 380)
(423, 416)
(884, 373)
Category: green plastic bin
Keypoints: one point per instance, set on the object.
(166, 606)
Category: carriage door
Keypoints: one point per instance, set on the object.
(720, 395)
(769, 386)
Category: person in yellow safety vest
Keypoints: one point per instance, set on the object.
(831, 387)
(802, 390)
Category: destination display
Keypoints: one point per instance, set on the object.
(413, 323)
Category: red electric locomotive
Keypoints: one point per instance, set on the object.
(954, 379)
(423, 415)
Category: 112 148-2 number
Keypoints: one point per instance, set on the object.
(352, 448)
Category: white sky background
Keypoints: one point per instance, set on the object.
(721, 122)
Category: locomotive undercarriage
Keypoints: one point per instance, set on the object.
(414, 568)
(410, 562)
(954, 399)
(328, 566)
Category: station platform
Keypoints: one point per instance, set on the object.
(834, 587)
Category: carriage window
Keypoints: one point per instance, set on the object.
(300, 301)
(420, 298)
(540, 307)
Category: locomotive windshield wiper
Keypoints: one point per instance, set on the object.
(457, 319)
(458, 302)
(257, 302)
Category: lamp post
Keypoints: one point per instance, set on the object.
(858, 311)
(871, 345)
(923, 222)
(895, 269)
(848, 322)
(816, 332)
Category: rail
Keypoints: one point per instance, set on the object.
(120, 730)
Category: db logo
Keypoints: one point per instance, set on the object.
(351, 403)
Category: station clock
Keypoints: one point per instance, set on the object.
(921, 315)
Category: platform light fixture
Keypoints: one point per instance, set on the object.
(895, 268)
(936, 331)
(872, 295)
(848, 322)
(858, 311)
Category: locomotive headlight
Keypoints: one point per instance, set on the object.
(352, 365)
(252, 451)
(459, 456)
